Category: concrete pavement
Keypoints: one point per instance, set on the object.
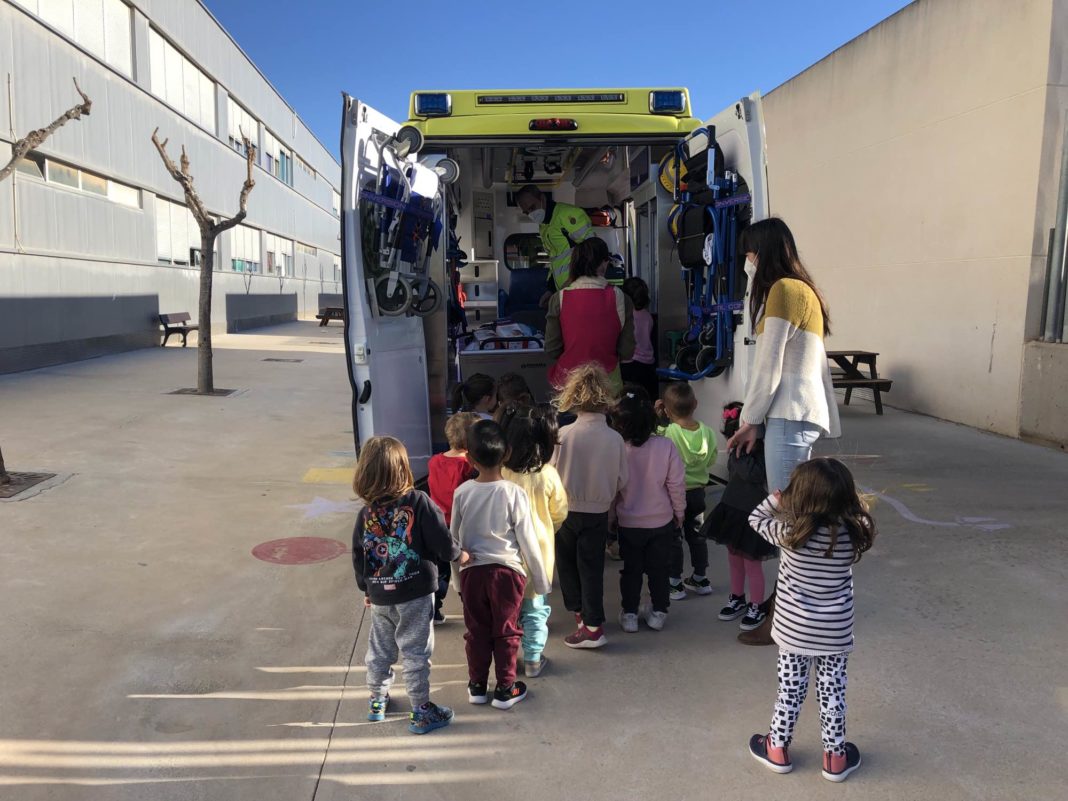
(147, 654)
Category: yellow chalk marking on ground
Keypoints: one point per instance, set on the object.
(918, 487)
(328, 475)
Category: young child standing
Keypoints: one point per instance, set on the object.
(398, 539)
(697, 447)
(491, 520)
(641, 369)
(446, 472)
(477, 393)
(728, 524)
(649, 508)
(822, 527)
(592, 461)
(531, 435)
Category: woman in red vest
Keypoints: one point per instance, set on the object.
(589, 320)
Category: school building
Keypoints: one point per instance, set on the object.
(95, 238)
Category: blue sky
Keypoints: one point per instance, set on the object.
(381, 51)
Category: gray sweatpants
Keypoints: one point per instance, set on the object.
(406, 631)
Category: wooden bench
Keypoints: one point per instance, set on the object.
(328, 313)
(176, 324)
(849, 376)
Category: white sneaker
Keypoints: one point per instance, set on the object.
(678, 592)
(656, 620)
(628, 621)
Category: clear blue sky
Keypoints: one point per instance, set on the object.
(381, 51)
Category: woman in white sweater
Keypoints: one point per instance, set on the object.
(789, 391)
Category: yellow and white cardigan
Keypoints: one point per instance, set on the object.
(790, 377)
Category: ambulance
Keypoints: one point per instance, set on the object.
(443, 273)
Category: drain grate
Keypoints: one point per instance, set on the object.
(287, 361)
(219, 393)
(20, 482)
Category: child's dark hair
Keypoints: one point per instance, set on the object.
(467, 394)
(822, 493)
(587, 257)
(679, 399)
(732, 418)
(638, 291)
(633, 416)
(513, 388)
(486, 445)
(531, 435)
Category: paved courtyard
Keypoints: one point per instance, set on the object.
(146, 653)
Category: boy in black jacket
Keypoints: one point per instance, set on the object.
(397, 538)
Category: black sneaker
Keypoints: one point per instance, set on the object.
(837, 768)
(507, 697)
(734, 609)
(477, 692)
(754, 616)
(439, 617)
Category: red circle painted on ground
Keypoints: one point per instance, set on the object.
(299, 550)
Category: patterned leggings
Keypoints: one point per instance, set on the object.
(830, 690)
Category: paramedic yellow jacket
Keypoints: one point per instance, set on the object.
(568, 225)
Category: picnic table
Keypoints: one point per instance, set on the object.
(847, 374)
(328, 313)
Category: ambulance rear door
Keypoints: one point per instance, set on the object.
(386, 355)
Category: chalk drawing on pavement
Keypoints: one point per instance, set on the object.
(299, 550)
(981, 523)
(320, 507)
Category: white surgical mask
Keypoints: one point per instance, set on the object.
(750, 270)
(537, 215)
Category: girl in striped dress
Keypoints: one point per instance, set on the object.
(822, 527)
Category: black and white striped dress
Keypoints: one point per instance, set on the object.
(814, 594)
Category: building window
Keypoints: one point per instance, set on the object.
(305, 167)
(55, 172)
(277, 159)
(279, 255)
(177, 233)
(245, 250)
(337, 268)
(100, 26)
(335, 204)
(180, 83)
(241, 122)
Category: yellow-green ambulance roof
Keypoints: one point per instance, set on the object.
(506, 114)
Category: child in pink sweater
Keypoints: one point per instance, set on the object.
(649, 508)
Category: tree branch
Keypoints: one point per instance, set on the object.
(184, 179)
(35, 139)
(242, 201)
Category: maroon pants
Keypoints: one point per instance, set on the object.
(492, 595)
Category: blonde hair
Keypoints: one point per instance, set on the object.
(456, 428)
(587, 390)
(382, 472)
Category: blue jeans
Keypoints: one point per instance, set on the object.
(787, 443)
(534, 618)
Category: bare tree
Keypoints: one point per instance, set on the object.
(209, 230)
(35, 139)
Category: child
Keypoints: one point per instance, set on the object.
(697, 446)
(477, 394)
(641, 370)
(822, 526)
(729, 525)
(447, 471)
(649, 509)
(513, 388)
(491, 519)
(531, 435)
(399, 535)
(592, 461)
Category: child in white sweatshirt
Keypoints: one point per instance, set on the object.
(492, 522)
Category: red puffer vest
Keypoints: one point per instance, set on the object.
(590, 325)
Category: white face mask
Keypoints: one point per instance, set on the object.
(537, 215)
(750, 270)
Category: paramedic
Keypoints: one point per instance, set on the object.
(589, 320)
(561, 226)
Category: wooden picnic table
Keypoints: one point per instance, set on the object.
(328, 313)
(849, 376)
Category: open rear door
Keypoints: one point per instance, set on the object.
(386, 354)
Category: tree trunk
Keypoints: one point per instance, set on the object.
(4, 477)
(205, 376)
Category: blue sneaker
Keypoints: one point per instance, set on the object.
(428, 717)
(376, 708)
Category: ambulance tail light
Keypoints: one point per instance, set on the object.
(554, 124)
(436, 104)
(667, 102)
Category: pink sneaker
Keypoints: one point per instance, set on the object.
(773, 757)
(584, 638)
(837, 767)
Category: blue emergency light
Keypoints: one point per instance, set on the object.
(673, 102)
(437, 104)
